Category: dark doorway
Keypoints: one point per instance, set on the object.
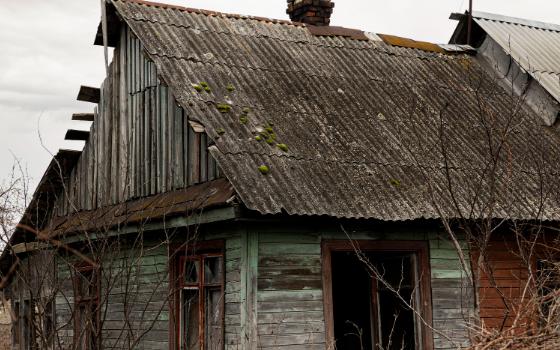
(371, 312)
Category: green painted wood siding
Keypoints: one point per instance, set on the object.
(133, 298)
(290, 310)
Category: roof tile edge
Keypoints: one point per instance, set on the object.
(211, 13)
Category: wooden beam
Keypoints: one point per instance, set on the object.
(28, 247)
(86, 117)
(89, 94)
(113, 28)
(77, 135)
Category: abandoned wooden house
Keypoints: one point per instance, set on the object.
(256, 183)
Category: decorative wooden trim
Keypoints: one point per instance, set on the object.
(420, 248)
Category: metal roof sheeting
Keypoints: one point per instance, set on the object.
(535, 46)
(365, 123)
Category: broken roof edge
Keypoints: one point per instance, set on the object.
(325, 31)
(507, 19)
(211, 13)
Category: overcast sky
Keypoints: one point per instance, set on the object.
(46, 53)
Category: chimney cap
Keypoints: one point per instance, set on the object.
(314, 12)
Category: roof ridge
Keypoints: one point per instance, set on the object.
(516, 20)
(211, 13)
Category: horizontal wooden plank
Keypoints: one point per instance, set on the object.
(86, 117)
(76, 135)
(89, 94)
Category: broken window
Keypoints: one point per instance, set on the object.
(86, 307)
(201, 293)
(372, 296)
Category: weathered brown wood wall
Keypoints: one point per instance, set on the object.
(141, 142)
(502, 281)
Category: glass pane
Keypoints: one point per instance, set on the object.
(190, 320)
(213, 269)
(213, 331)
(191, 271)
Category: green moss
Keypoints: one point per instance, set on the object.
(264, 169)
(243, 119)
(270, 141)
(283, 147)
(269, 129)
(198, 88)
(272, 136)
(230, 88)
(223, 107)
(207, 89)
(204, 84)
(258, 138)
(220, 131)
(395, 182)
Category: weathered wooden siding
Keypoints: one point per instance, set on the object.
(289, 301)
(133, 298)
(141, 142)
(502, 281)
(290, 297)
(273, 292)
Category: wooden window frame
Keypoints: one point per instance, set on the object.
(195, 251)
(419, 248)
(93, 301)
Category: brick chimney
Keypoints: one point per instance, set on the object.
(315, 12)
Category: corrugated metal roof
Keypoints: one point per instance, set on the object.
(364, 122)
(534, 45)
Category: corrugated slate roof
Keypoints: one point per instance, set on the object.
(534, 45)
(364, 122)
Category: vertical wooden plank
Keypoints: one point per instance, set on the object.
(177, 145)
(115, 128)
(100, 151)
(248, 292)
(211, 161)
(158, 139)
(203, 158)
(191, 155)
(186, 138)
(153, 142)
(95, 158)
(91, 166)
(170, 140)
(164, 138)
(122, 119)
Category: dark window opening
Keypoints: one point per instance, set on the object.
(369, 313)
(200, 300)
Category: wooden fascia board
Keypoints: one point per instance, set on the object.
(206, 217)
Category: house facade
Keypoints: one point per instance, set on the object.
(255, 183)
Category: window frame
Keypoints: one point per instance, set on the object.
(91, 301)
(194, 251)
(419, 248)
